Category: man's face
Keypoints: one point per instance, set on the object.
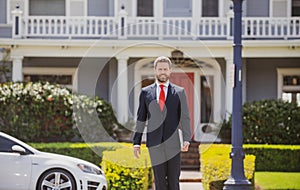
(162, 71)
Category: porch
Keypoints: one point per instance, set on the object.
(124, 27)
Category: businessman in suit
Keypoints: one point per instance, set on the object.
(163, 110)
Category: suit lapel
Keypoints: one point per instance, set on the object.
(170, 92)
(153, 91)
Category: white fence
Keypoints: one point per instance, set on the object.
(123, 27)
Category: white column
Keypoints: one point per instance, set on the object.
(158, 13)
(222, 7)
(229, 86)
(17, 74)
(196, 14)
(196, 9)
(158, 8)
(17, 20)
(122, 84)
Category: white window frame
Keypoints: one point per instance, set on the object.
(288, 8)
(8, 11)
(281, 72)
(54, 71)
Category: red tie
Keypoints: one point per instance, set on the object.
(162, 97)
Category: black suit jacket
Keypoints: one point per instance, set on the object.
(162, 126)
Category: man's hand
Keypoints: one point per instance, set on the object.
(137, 151)
(185, 147)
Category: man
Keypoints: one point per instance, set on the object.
(163, 109)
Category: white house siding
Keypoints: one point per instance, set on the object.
(262, 76)
(257, 8)
(89, 73)
(5, 30)
(177, 8)
(99, 8)
(3, 12)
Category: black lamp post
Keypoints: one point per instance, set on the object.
(237, 180)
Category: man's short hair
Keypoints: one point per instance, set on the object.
(162, 59)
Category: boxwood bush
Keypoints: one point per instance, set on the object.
(123, 171)
(43, 112)
(280, 158)
(216, 166)
(268, 122)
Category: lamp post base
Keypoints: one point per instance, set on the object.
(232, 184)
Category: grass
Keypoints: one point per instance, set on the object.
(278, 180)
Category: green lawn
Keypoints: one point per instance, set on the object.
(278, 180)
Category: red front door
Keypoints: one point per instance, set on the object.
(186, 80)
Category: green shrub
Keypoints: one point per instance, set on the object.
(216, 166)
(91, 152)
(123, 171)
(43, 112)
(268, 122)
(283, 158)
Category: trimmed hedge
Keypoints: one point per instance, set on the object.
(281, 158)
(268, 122)
(216, 166)
(91, 152)
(123, 171)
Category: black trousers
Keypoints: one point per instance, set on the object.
(166, 167)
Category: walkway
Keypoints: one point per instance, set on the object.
(190, 180)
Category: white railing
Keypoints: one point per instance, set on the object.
(41, 26)
(124, 27)
(263, 27)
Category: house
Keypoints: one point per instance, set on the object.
(107, 47)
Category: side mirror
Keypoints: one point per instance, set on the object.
(18, 149)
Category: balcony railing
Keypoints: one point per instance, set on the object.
(175, 28)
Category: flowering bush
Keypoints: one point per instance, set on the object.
(43, 112)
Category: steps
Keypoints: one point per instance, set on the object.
(191, 160)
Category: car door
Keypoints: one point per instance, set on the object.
(15, 170)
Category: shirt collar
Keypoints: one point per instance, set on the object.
(166, 84)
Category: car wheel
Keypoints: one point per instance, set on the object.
(56, 179)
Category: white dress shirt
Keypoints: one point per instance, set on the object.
(166, 85)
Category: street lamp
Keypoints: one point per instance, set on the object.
(237, 180)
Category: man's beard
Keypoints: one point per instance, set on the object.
(162, 80)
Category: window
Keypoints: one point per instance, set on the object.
(210, 8)
(296, 8)
(145, 8)
(64, 76)
(289, 85)
(46, 7)
(6, 144)
(206, 99)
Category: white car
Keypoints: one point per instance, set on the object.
(25, 168)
